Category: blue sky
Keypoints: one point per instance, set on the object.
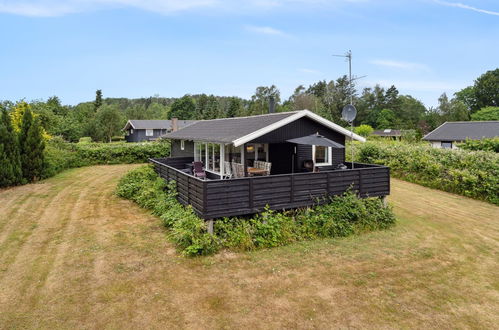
(139, 48)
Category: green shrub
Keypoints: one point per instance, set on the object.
(363, 130)
(484, 145)
(341, 216)
(85, 140)
(470, 173)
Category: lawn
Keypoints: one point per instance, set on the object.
(74, 255)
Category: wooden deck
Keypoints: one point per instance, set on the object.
(231, 197)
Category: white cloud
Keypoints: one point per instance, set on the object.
(401, 65)
(48, 8)
(265, 30)
(463, 6)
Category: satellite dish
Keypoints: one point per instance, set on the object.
(349, 112)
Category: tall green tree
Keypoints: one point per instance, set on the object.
(487, 113)
(108, 122)
(234, 107)
(211, 111)
(484, 92)
(10, 160)
(32, 146)
(98, 99)
(183, 108)
(260, 100)
(386, 119)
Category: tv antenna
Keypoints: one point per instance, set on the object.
(348, 56)
(349, 112)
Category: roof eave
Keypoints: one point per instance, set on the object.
(292, 118)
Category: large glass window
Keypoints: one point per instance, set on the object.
(149, 132)
(322, 155)
(257, 151)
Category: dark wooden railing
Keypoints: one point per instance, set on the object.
(223, 198)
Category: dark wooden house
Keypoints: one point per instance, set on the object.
(149, 130)
(264, 140)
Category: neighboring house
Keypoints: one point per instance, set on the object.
(148, 130)
(235, 151)
(449, 134)
(390, 133)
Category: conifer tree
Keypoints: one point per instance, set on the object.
(32, 146)
(10, 161)
(98, 99)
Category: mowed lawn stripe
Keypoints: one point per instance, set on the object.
(103, 262)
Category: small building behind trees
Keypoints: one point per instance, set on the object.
(449, 134)
(149, 130)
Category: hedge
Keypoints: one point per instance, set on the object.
(61, 155)
(344, 215)
(484, 144)
(469, 173)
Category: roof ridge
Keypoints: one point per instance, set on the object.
(262, 115)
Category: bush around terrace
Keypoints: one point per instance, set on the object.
(342, 216)
(469, 173)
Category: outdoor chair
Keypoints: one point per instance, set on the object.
(198, 170)
(228, 170)
(308, 165)
(267, 166)
(238, 170)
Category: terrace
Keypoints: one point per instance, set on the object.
(268, 141)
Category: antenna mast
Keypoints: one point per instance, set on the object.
(348, 55)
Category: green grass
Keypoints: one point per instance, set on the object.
(96, 261)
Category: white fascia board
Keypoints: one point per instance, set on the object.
(334, 126)
(126, 125)
(292, 118)
(267, 129)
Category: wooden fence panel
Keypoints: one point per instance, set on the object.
(220, 198)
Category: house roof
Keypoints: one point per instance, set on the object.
(387, 132)
(240, 130)
(462, 130)
(156, 124)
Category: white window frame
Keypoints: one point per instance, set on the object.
(329, 157)
(131, 130)
(182, 144)
(149, 132)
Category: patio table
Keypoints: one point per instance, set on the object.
(256, 171)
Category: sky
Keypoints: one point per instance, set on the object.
(141, 48)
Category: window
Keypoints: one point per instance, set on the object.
(131, 130)
(257, 151)
(149, 132)
(322, 155)
(446, 145)
(182, 144)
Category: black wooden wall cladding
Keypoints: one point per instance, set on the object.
(224, 198)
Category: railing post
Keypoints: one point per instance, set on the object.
(360, 182)
(292, 190)
(250, 193)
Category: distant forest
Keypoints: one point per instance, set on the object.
(378, 107)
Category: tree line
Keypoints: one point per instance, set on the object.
(378, 107)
